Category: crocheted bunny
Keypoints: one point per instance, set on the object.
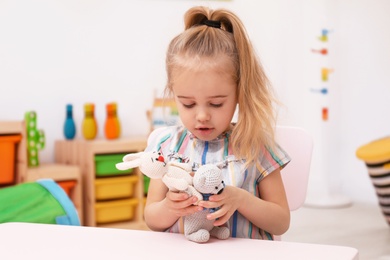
(197, 228)
(176, 176)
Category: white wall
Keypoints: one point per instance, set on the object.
(56, 52)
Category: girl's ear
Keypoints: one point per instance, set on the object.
(128, 165)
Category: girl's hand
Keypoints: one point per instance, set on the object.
(181, 204)
(227, 202)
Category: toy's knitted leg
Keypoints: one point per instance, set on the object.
(220, 232)
(193, 192)
(200, 236)
(196, 227)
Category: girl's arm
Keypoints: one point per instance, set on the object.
(163, 208)
(270, 213)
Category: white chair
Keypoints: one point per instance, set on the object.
(299, 145)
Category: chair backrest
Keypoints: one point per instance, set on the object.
(299, 145)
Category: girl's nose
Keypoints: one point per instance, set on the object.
(202, 115)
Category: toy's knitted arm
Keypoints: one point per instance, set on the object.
(180, 171)
(192, 191)
(182, 166)
(174, 183)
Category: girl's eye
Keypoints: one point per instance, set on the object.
(216, 105)
(188, 106)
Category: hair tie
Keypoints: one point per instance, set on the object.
(212, 23)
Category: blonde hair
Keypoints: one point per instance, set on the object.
(254, 129)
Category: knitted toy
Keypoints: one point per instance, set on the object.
(197, 228)
(176, 176)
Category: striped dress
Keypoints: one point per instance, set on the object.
(177, 143)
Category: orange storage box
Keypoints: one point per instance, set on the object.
(7, 158)
(115, 187)
(67, 186)
(116, 210)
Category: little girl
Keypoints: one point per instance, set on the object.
(212, 69)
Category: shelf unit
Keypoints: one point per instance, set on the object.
(57, 172)
(83, 153)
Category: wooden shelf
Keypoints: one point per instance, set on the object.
(82, 153)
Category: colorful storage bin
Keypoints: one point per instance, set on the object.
(7, 158)
(114, 211)
(146, 184)
(67, 186)
(105, 165)
(376, 155)
(115, 187)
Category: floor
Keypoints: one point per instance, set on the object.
(361, 226)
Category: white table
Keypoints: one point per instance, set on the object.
(41, 241)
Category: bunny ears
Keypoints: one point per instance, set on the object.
(130, 161)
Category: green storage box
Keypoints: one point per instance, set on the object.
(105, 165)
(146, 184)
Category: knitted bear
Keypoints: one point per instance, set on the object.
(176, 176)
(197, 228)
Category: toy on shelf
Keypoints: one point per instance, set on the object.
(112, 127)
(35, 138)
(177, 177)
(69, 125)
(89, 122)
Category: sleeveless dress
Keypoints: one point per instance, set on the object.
(178, 144)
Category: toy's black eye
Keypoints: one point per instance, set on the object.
(216, 188)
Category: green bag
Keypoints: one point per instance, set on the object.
(43, 201)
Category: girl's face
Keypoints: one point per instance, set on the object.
(206, 100)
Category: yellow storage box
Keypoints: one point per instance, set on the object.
(114, 211)
(115, 187)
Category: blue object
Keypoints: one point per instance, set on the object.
(69, 126)
(71, 217)
(322, 90)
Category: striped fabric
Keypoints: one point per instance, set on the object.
(178, 144)
(380, 178)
